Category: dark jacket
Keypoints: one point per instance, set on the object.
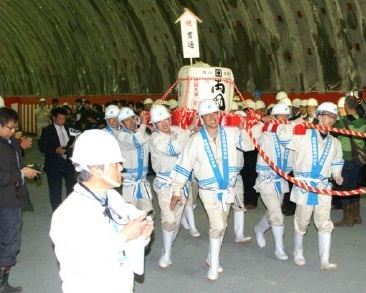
(10, 173)
(48, 143)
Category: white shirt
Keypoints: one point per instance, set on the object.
(93, 256)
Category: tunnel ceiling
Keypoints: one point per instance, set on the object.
(102, 47)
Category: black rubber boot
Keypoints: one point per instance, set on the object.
(4, 285)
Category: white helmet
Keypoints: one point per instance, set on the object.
(161, 102)
(125, 113)
(241, 113)
(326, 107)
(234, 106)
(173, 104)
(312, 102)
(95, 147)
(280, 109)
(304, 103)
(248, 103)
(281, 95)
(148, 101)
(207, 106)
(2, 103)
(259, 105)
(158, 113)
(340, 103)
(286, 101)
(42, 100)
(296, 103)
(111, 112)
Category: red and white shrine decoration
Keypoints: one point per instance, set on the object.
(202, 81)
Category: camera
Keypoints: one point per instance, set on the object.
(37, 167)
(68, 150)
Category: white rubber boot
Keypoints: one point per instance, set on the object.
(278, 232)
(208, 259)
(259, 230)
(189, 216)
(215, 246)
(239, 228)
(184, 222)
(298, 249)
(165, 259)
(324, 239)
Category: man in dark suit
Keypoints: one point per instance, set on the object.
(55, 143)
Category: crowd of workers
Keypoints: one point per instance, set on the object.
(124, 143)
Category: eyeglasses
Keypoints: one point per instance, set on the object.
(330, 116)
(8, 127)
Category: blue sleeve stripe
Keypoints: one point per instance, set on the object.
(181, 170)
(207, 181)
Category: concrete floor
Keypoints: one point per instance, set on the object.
(247, 268)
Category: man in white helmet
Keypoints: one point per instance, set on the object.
(166, 143)
(173, 104)
(318, 156)
(111, 116)
(295, 108)
(303, 108)
(280, 95)
(99, 239)
(271, 185)
(148, 102)
(211, 154)
(312, 104)
(42, 116)
(134, 146)
(260, 108)
(340, 105)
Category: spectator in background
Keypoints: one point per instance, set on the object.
(69, 118)
(260, 108)
(312, 104)
(56, 143)
(54, 104)
(303, 108)
(99, 115)
(173, 104)
(42, 116)
(122, 103)
(148, 104)
(351, 170)
(340, 105)
(296, 109)
(139, 107)
(78, 109)
(257, 95)
(131, 105)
